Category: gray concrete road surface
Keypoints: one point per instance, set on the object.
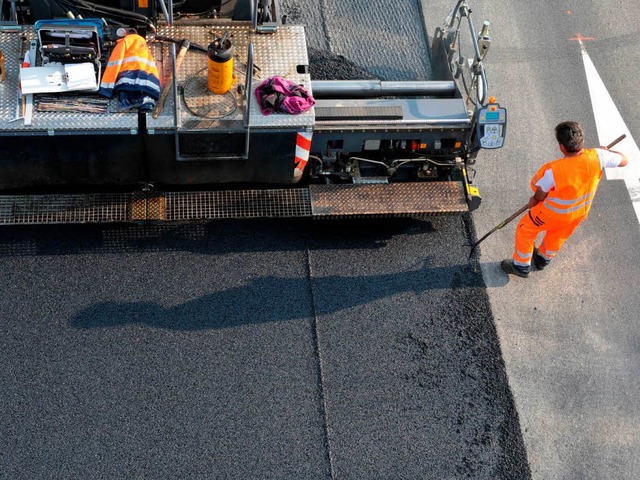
(569, 334)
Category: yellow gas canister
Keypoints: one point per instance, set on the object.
(220, 63)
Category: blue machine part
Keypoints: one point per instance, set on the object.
(64, 24)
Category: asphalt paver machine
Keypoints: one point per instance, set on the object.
(68, 154)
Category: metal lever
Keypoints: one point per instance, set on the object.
(484, 40)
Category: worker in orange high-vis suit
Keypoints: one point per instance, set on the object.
(564, 190)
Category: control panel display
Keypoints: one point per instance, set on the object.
(492, 124)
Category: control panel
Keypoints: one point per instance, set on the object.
(492, 126)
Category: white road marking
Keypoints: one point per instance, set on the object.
(610, 125)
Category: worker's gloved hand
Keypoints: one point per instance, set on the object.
(533, 202)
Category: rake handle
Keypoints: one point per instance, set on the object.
(167, 87)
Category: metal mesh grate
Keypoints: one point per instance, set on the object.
(49, 209)
(319, 201)
(280, 203)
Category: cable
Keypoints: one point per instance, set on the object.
(402, 161)
(188, 83)
(120, 13)
(454, 13)
(466, 89)
(198, 14)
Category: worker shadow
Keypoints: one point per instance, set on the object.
(274, 299)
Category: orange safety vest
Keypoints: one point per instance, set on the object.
(131, 67)
(576, 181)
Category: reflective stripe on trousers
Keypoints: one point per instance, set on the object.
(527, 231)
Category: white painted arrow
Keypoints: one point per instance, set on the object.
(610, 125)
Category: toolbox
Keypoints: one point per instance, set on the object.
(69, 54)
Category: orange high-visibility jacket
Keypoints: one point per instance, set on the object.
(131, 67)
(576, 181)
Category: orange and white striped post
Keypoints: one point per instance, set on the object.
(303, 146)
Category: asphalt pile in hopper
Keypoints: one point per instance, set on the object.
(328, 66)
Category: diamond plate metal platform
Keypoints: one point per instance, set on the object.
(50, 123)
(387, 200)
(282, 53)
(316, 201)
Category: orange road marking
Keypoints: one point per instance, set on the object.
(580, 38)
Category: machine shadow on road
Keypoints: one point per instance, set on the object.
(210, 237)
(265, 299)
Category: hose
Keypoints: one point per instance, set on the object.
(93, 7)
(483, 86)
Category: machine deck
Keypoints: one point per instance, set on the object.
(282, 53)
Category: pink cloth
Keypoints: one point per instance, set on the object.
(277, 94)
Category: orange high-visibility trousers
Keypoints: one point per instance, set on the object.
(530, 227)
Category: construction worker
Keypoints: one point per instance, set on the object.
(563, 192)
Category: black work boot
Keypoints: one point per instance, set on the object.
(538, 260)
(508, 266)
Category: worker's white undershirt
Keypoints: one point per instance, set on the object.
(607, 160)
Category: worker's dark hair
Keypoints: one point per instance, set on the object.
(571, 135)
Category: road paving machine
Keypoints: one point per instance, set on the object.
(139, 110)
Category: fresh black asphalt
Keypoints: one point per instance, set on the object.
(259, 349)
(256, 349)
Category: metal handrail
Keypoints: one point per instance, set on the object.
(248, 96)
(462, 10)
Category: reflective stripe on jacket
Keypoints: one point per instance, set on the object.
(131, 67)
(576, 181)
